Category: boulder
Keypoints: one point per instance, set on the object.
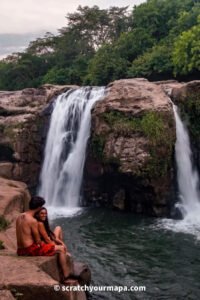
(6, 295)
(82, 271)
(27, 280)
(130, 155)
(6, 169)
(14, 198)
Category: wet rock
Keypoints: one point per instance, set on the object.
(6, 169)
(83, 272)
(119, 200)
(6, 295)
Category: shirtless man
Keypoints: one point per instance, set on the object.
(29, 242)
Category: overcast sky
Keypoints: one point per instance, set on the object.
(28, 18)
(22, 16)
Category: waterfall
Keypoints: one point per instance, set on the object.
(188, 184)
(188, 181)
(65, 150)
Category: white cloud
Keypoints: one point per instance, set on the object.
(22, 16)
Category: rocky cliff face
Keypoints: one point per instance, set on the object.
(14, 198)
(24, 118)
(131, 148)
(129, 159)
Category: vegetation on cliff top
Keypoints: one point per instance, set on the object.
(151, 125)
(158, 39)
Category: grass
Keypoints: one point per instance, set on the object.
(3, 223)
(1, 245)
(153, 126)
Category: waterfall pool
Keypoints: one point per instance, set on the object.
(121, 249)
(125, 249)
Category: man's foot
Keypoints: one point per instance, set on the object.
(68, 254)
(70, 277)
(70, 282)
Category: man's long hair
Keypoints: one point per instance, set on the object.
(46, 224)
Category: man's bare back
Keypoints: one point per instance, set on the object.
(29, 242)
(26, 230)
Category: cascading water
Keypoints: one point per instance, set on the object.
(62, 171)
(188, 180)
(188, 183)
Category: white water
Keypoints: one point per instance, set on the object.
(62, 171)
(188, 183)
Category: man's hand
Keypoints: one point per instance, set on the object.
(65, 247)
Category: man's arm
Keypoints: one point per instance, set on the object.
(60, 242)
(35, 232)
(43, 234)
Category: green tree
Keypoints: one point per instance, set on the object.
(26, 71)
(134, 43)
(186, 54)
(42, 46)
(158, 17)
(98, 26)
(69, 75)
(154, 64)
(186, 20)
(106, 66)
(88, 29)
(99, 45)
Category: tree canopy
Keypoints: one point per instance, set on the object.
(158, 39)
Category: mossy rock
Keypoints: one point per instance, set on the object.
(97, 146)
(190, 111)
(154, 126)
(120, 123)
(1, 245)
(150, 125)
(11, 130)
(3, 223)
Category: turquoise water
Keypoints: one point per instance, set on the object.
(124, 249)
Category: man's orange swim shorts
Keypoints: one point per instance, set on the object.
(37, 250)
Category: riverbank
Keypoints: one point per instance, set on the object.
(26, 277)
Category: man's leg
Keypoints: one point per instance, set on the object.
(64, 260)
